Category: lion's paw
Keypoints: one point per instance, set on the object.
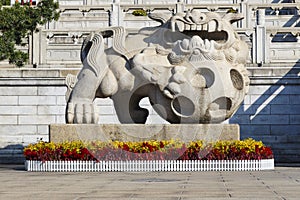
(82, 113)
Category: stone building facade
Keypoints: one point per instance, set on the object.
(33, 97)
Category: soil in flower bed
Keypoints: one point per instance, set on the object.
(247, 149)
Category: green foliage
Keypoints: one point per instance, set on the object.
(231, 10)
(5, 2)
(139, 13)
(18, 22)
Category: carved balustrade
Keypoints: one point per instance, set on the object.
(272, 30)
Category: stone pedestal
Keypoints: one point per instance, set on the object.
(141, 132)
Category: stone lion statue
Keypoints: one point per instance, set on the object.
(191, 67)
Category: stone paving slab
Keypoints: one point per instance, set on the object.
(282, 183)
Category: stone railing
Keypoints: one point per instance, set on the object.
(283, 51)
(271, 29)
(62, 48)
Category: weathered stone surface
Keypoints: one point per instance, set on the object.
(18, 110)
(50, 110)
(46, 91)
(37, 100)
(191, 68)
(137, 132)
(8, 119)
(37, 119)
(18, 91)
(40, 73)
(17, 129)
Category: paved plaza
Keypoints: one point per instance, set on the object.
(281, 183)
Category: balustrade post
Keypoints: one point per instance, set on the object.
(259, 41)
(34, 48)
(138, 1)
(180, 6)
(244, 9)
(298, 38)
(116, 14)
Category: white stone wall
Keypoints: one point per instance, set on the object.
(26, 112)
(30, 99)
(271, 111)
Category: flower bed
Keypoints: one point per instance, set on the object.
(148, 155)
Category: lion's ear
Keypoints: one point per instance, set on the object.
(233, 17)
(160, 17)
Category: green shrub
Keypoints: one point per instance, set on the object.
(231, 10)
(5, 2)
(139, 13)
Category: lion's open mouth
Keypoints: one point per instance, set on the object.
(217, 36)
(200, 36)
(210, 29)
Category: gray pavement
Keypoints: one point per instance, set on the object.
(281, 183)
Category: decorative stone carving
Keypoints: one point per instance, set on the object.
(70, 82)
(191, 68)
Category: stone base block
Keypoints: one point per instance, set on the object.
(140, 132)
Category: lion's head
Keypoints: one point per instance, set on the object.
(198, 65)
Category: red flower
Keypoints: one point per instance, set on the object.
(161, 145)
(126, 147)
